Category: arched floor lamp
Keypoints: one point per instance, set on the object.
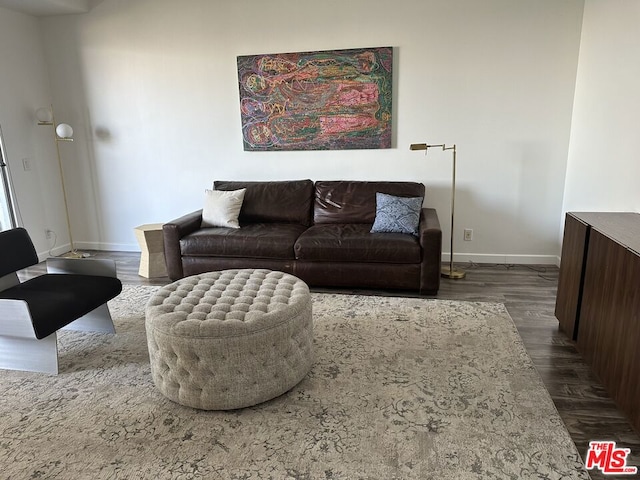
(61, 133)
(447, 271)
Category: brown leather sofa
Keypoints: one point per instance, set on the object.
(319, 232)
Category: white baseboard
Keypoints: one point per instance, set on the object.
(503, 259)
(108, 247)
(54, 252)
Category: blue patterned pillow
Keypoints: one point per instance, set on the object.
(397, 214)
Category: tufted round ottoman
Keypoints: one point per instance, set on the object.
(229, 339)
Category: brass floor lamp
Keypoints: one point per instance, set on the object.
(447, 271)
(61, 133)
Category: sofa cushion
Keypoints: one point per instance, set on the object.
(256, 240)
(273, 202)
(355, 201)
(355, 243)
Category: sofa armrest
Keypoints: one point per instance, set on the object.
(172, 232)
(430, 235)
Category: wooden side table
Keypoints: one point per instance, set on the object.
(152, 263)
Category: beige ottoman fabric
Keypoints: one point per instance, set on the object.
(230, 339)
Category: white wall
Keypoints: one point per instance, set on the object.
(150, 87)
(604, 167)
(24, 87)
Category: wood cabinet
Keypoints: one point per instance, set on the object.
(598, 301)
(571, 277)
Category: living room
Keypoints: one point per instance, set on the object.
(539, 97)
(150, 89)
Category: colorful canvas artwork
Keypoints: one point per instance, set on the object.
(326, 100)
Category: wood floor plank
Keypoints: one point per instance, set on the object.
(528, 293)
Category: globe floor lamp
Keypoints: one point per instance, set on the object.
(61, 133)
(447, 271)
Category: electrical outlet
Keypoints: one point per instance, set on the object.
(468, 234)
(26, 164)
(48, 233)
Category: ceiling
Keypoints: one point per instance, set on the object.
(44, 8)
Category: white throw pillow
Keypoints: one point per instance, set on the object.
(221, 208)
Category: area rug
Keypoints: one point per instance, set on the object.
(401, 389)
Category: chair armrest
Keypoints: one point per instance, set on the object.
(430, 235)
(172, 232)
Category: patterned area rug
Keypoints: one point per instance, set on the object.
(401, 389)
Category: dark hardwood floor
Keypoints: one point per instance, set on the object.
(529, 293)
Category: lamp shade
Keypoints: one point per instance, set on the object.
(64, 130)
(44, 115)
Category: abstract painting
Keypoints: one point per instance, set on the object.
(325, 100)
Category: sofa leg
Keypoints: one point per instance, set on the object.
(29, 354)
(428, 292)
(98, 320)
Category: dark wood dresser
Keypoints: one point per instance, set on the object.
(598, 301)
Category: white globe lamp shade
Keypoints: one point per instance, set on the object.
(64, 131)
(44, 115)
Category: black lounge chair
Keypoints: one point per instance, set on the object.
(72, 294)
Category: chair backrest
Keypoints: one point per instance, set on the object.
(16, 251)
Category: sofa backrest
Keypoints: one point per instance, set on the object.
(273, 202)
(355, 201)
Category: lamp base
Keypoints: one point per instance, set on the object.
(75, 254)
(455, 274)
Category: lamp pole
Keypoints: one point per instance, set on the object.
(447, 272)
